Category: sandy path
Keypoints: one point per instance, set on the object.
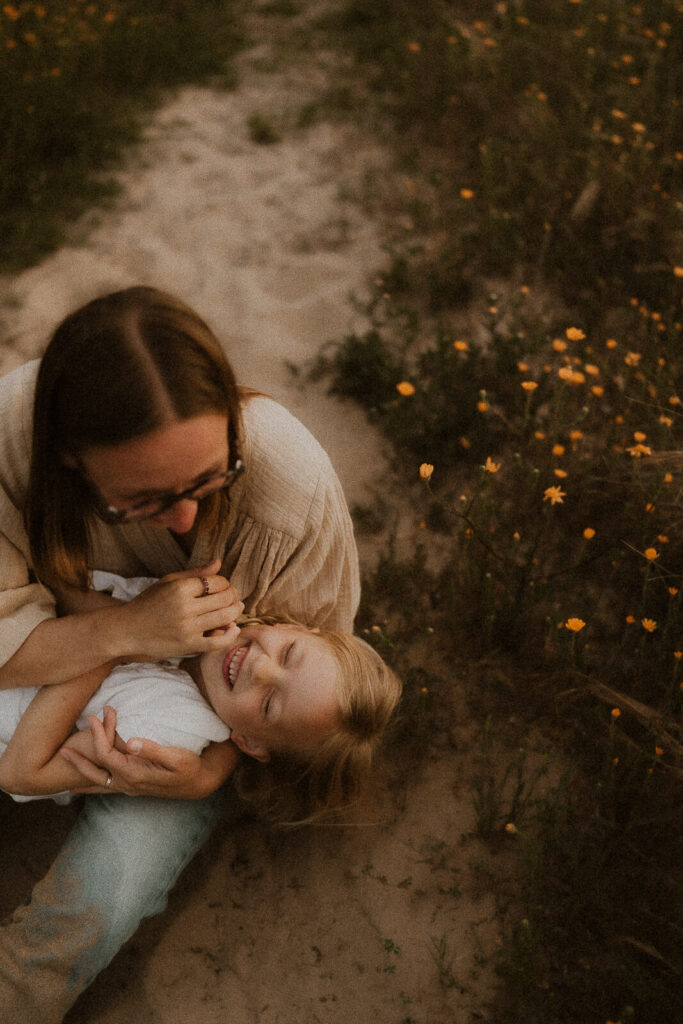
(255, 237)
(380, 923)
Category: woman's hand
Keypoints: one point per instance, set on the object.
(148, 769)
(184, 613)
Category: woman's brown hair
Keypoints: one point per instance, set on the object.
(119, 368)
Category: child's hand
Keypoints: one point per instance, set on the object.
(184, 613)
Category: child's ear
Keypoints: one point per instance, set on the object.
(250, 748)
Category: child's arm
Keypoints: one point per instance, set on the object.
(31, 764)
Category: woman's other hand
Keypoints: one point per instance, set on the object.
(145, 768)
(184, 613)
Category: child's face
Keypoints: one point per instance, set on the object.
(276, 688)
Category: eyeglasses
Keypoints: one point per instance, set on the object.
(151, 507)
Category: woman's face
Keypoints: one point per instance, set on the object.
(276, 687)
(163, 463)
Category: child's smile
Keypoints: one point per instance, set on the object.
(277, 688)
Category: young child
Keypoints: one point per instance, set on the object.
(309, 705)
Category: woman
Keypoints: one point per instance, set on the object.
(130, 449)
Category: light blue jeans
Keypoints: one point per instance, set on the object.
(117, 866)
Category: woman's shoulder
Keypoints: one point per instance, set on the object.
(279, 443)
(286, 468)
(18, 386)
(17, 390)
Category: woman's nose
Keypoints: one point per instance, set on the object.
(179, 517)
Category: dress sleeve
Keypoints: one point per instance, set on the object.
(23, 602)
(291, 548)
(319, 583)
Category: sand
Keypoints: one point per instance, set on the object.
(388, 921)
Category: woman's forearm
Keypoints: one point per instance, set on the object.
(61, 649)
(173, 618)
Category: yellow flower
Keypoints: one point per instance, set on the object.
(632, 358)
(639, 449)
(649, 624)
(570, 375)
(523, 367)
(589, 533)
(673, 591)
(554, 495)
(651, 554)
(666, 420)
(668, 478)
(615, 712)
(598, 391)
(575, 334)
(426, 470)
(466, 193)
(561, 473)
(559, 345)
(482, 406)
(678, 271)
(592, 370)
(678, 655)
(539, 435)
(529, 385)
(11, 12)
(511, 828)
(460, 346)
(611, 343)
(558, 449)
(575, 435)
(638, 127)
(630, 619)
(490, 466)
(663, 538)
(414, 47)
(465, 442)
(405, 388)
(658, 751)
(575, 625)
(639, 436)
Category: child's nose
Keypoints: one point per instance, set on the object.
(265, 672)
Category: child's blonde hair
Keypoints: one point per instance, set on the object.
(292, 788)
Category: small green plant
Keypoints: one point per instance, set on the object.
(438, 950)
(262, 131)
